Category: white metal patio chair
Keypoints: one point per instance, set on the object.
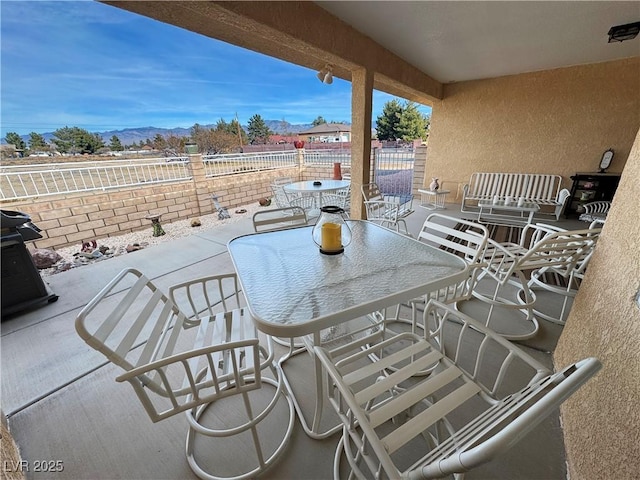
(508, 264)
(334, 199)
(281, 197)
(563, 197)
(562, 282)
(461, 237)
(484, 395)
(595, 211)
(345, 193)
(279, 218)
(388, 211)
(190, 361)
(307, 203)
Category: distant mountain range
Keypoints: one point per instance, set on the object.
(129, 135)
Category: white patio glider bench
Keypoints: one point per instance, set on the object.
(543, 189)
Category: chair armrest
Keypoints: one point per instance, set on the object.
(499, 259)
(186, 359)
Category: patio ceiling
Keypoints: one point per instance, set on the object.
(425, 44)
(459, 41)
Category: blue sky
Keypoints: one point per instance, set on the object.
(93, 66)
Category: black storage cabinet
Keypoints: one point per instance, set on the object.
(590, 187)
(22, 285)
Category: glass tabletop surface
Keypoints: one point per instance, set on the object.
(308, 186)
(293, 289)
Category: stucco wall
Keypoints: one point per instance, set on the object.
(602, 420)
(555, 121)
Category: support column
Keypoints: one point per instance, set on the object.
(199, 179)
(361, 106)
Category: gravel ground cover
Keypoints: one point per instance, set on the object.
(73, 257)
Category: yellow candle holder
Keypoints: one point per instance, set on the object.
(331, 232)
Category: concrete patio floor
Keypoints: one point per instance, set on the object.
(63, 404)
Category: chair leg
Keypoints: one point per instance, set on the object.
(525, 307)
(540, 281)
(197, 428)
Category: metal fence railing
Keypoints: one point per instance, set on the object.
(392, 170)
(327, 157)
(231, 164)
(25, 181)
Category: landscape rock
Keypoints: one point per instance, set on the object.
(45, 258)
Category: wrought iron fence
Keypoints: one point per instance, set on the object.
(392, 170)
(231, 164)
(327, 157)
(26, 181)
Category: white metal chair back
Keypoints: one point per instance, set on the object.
(561, 250)
(306, 202)
(595, 211)
(466, 413)
(345, 193)
(333, 199)
(179, 362)
(279, 218)
(563, 196)
(388, 211)
(461, 237)
(280, 196)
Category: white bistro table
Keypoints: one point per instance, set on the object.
(433, 199)
(293, 290)
(307, 187)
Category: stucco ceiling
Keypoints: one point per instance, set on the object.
(455, 41)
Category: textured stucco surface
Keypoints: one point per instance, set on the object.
(556, 121)
(602, 420)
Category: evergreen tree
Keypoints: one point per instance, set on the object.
(401, 122)
(232, 128)
(14, 139)
(37, 142)
(258, 130)
(319, 120)
(77, 140)
(387, 122)
(115, 145)
(412, 124)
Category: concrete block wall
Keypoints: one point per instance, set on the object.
(71, 219)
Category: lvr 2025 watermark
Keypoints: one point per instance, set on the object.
(42, 466)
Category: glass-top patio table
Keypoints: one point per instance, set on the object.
(316, 189)
(293, 290)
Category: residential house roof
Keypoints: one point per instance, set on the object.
(327, 128)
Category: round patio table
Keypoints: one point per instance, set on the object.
(307, 187)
